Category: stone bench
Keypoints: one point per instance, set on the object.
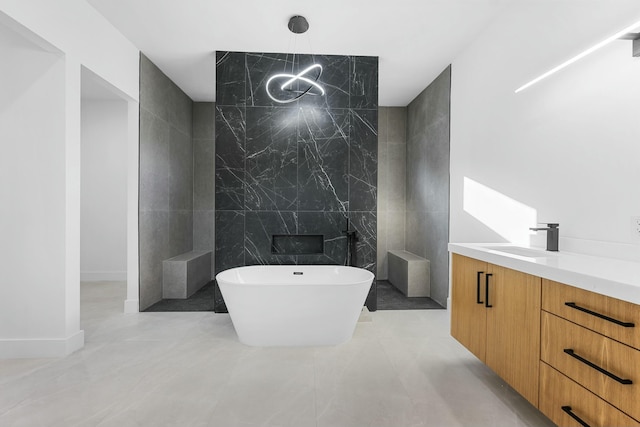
(409, 273)
(184, 274)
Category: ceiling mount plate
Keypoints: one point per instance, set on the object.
(298, 24)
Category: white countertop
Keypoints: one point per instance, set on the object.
(611, 277)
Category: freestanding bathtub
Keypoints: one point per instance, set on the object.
(292, 305)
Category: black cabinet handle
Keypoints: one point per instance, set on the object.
(480, 273)
(567, 409)
(571, 353)
(601, 316)
(486, 291)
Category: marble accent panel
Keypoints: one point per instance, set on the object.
(364, 82)
(365, 224)
(230, 243)
(259, 229)
(271, 169)
(334, 80)
(363, 160)
(260, 67)
(230, 158)
(298, 168)
(230, 78)
(323, 165)
(331, 225)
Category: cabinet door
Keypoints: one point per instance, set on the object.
(468, 317)
(513, 329)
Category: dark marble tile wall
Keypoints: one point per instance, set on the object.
(427, 187)
(305, 167)
(166, 168)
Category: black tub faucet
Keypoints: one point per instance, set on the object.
(553, 235)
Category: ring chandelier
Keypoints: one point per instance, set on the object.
(306, 80)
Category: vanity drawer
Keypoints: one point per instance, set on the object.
(559, 395)
(555, 297)
(571, 349)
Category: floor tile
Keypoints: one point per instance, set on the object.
(400, 369)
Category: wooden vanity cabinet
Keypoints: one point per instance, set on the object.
(591, 343)
(573, 353)
(495, 313)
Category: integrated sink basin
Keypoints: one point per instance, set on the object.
(520, 251)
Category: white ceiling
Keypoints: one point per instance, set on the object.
(414, 39)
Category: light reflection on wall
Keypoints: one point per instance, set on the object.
(507, 217)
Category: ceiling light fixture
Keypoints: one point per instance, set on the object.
(303, 83)
(592, 49)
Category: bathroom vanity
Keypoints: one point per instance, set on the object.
(562, 329)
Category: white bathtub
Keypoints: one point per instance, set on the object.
(309, 305)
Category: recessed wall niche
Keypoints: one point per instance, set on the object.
(303, 168)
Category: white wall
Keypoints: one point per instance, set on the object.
(103, 230)
(32, 189)
(40, 190)
(564, 150)
(75, 27)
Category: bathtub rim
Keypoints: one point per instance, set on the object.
(367, 276)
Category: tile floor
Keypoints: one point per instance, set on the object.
(187, 369)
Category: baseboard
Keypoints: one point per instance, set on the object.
(41, 348)
(103, 276)
(132, 306)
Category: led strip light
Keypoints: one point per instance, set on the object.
(581, 55)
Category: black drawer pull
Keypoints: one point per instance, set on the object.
(567, 409)
(480, 273)
(486, 291)
(571, 353)
(602, 316)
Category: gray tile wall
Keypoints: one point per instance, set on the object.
(392, 125)
(166, 177)
(204, 178)
(427, 191)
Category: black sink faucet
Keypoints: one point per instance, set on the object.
(553, 235)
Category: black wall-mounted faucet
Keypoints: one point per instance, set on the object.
(553, 235)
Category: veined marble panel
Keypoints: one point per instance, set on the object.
(230, 158)
(230, 78)
(260, 67)
(363, 160)
(271, 159)
(323, 160)
(364, 82)
(334, 80)
(229, 251)
(331, 225)
(365, 224)
(260, 227)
